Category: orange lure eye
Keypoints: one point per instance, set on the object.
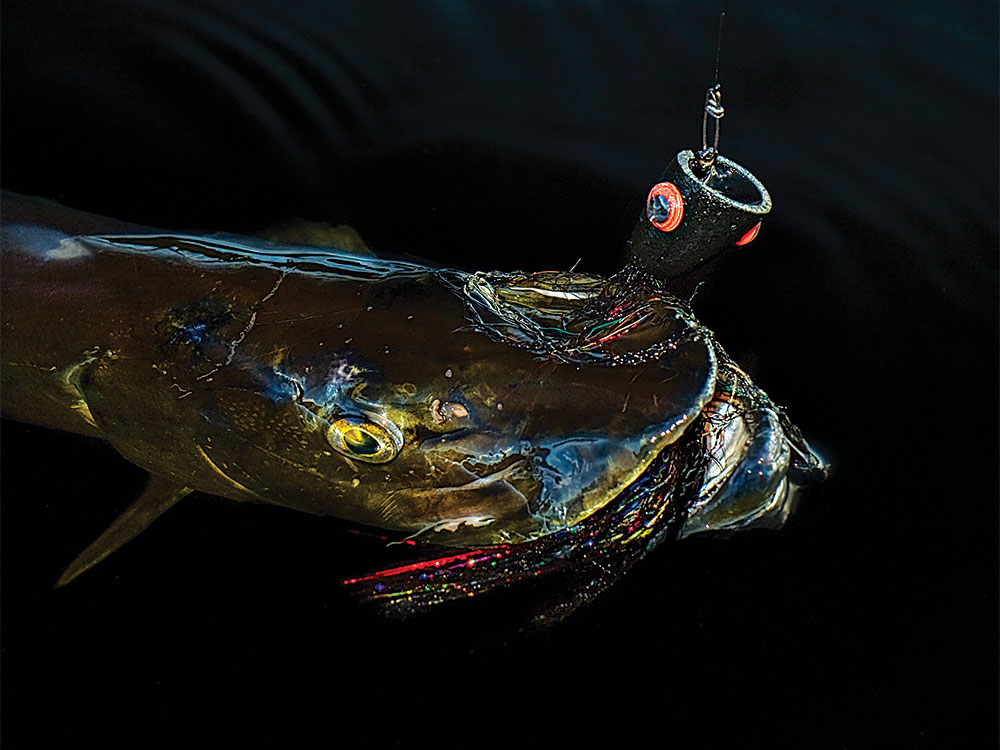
(747, 238)
(665, 206)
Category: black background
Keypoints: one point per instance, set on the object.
(525, 135)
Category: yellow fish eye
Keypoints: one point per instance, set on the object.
(362, 440)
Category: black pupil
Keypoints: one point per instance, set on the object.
(361, 442)
(659, 208)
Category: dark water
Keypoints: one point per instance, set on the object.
(526, 135)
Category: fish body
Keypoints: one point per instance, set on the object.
(223, 365)
(482, 411)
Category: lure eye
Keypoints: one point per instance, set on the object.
(665, 206)
(749, 237)
(362, 440)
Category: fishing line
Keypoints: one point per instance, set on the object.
(718, 39)
(705, 160)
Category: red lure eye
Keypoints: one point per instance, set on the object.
(747, 238)
(665, 206)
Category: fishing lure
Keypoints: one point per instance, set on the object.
(530, 422)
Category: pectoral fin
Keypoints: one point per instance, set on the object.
(159, 495)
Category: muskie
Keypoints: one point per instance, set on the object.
(531, 421)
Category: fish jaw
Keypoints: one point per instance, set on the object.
(758, 463)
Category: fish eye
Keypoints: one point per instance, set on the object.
(362, 440)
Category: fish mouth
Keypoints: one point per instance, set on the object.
(529, 492)
(758, 462)
(466, 504)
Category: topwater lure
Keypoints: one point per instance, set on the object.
(531, 422)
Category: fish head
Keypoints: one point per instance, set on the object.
(417, 414)
(509, 447)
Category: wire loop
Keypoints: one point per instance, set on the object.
(714, 109)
